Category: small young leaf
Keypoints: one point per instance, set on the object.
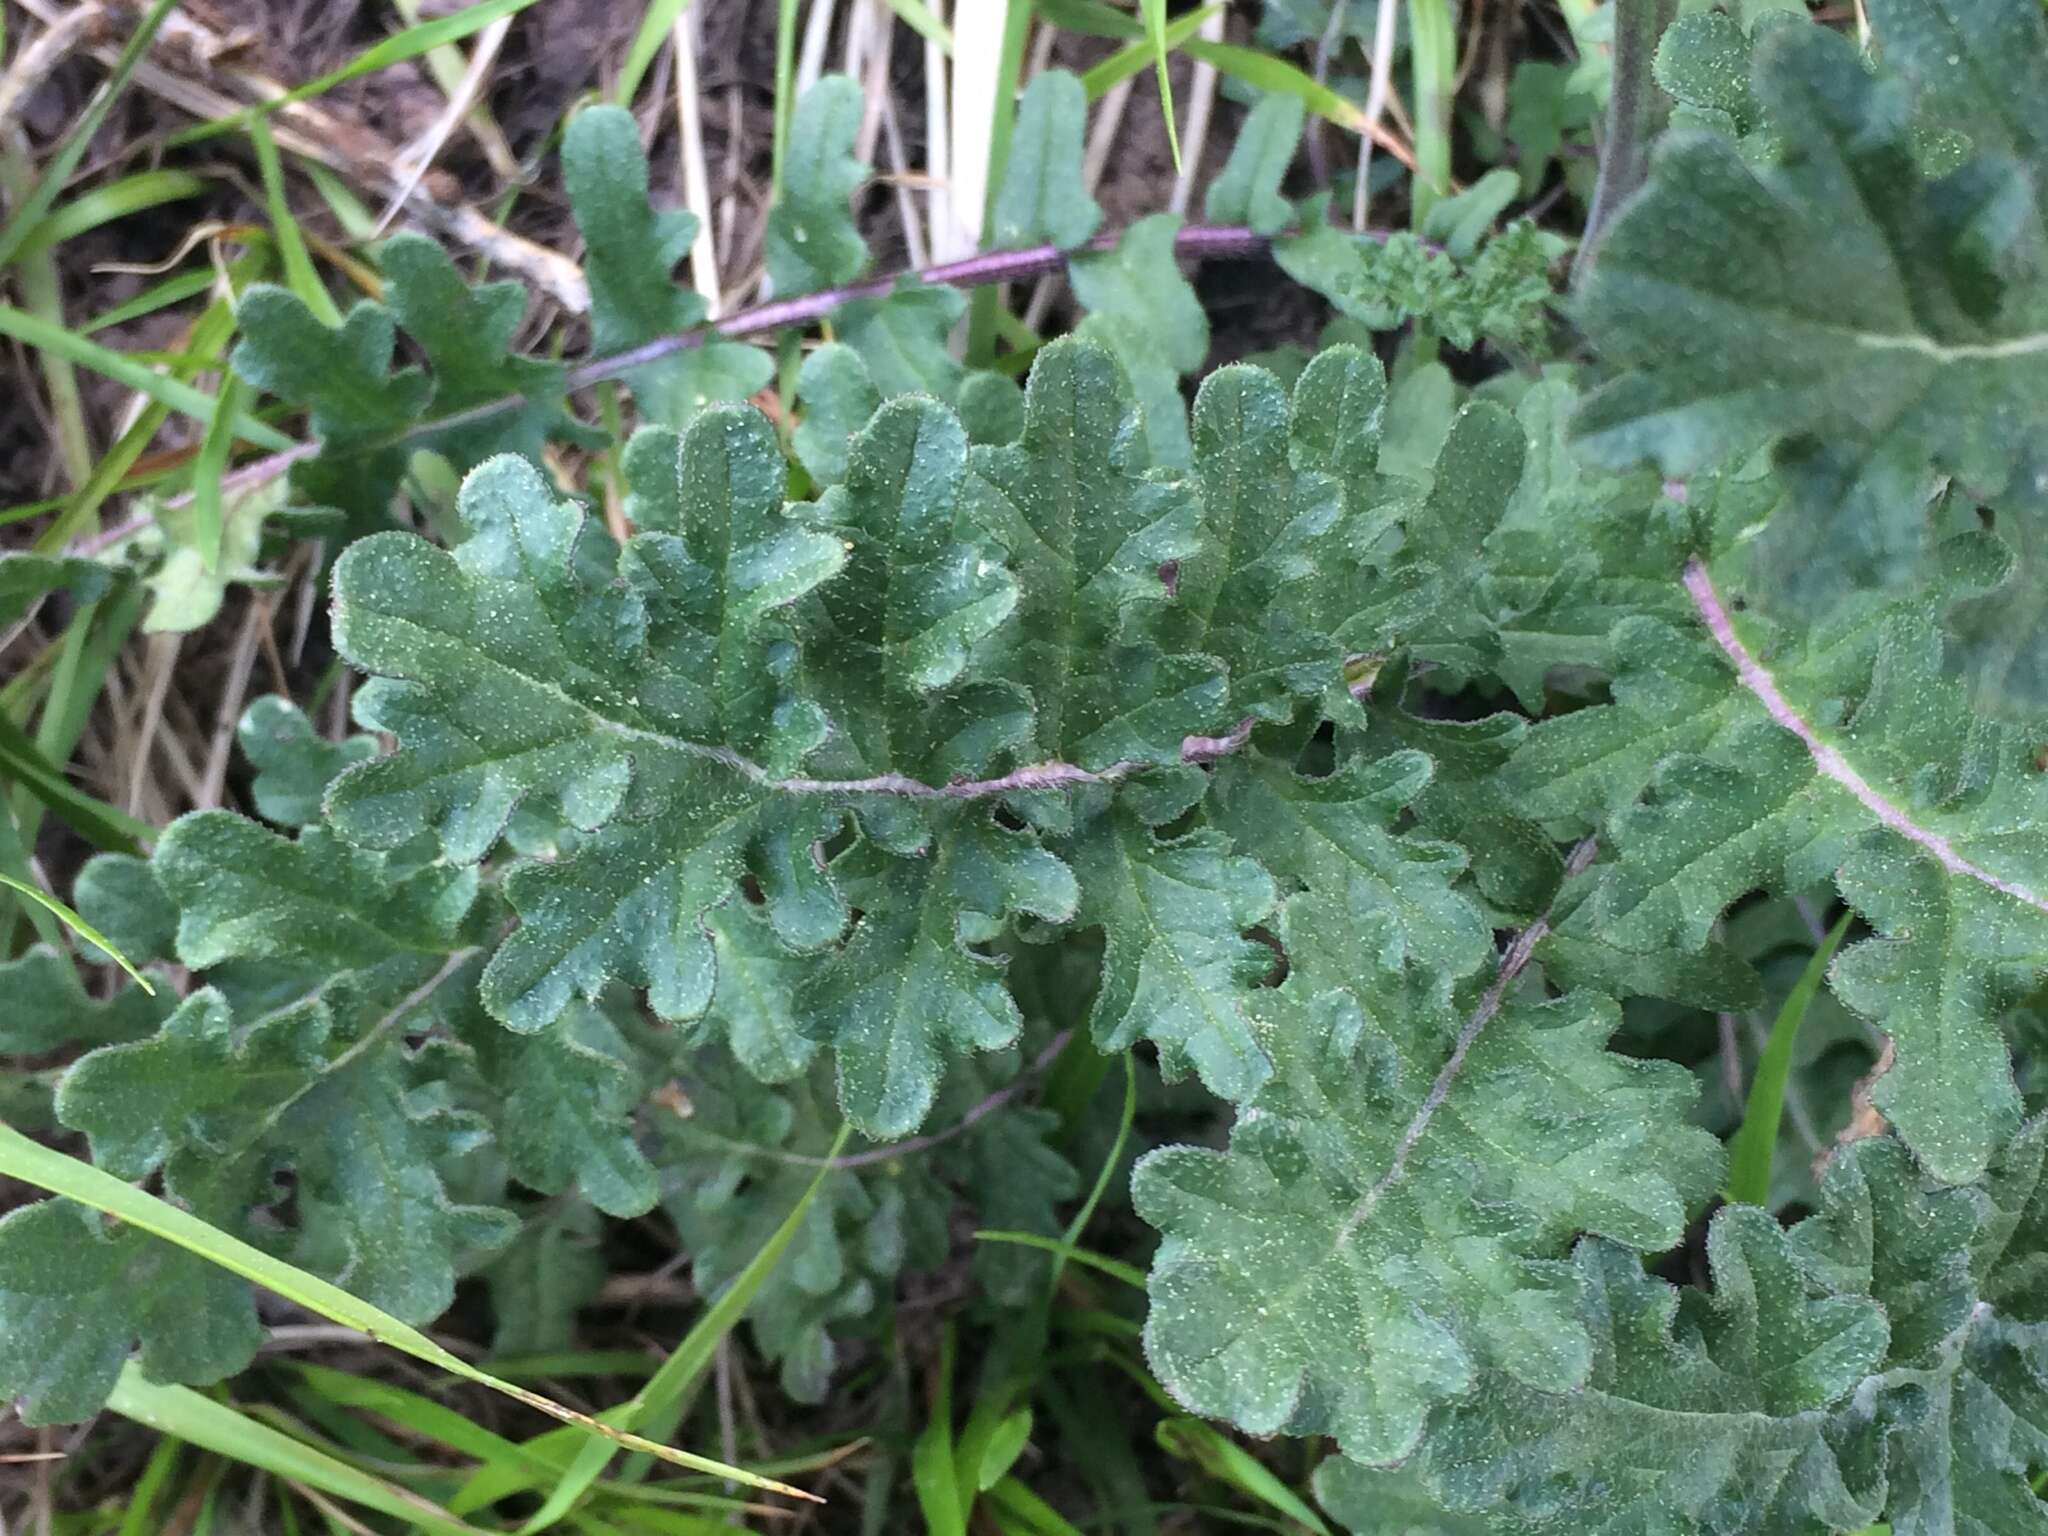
(810, 236)
(1044, 197)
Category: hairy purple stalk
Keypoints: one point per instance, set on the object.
(1196, 242)
(1053, 775)
(1830, 762)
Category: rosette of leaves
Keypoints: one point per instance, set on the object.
(826, 703)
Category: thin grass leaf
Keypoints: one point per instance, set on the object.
(684, 1369)
(107, 827)
(785, 92)
(1082, 1217)
(1228, 1462)
(208, 515)
(172, 290)
(124, 370)
(60, 1174)
(116, 200)
(81, 927)
(210, 335)
(30, 211)
(408, 43)
(933, 1463)
(1154, 12)
(1755, 1142)
(656, 22)
(918, 16)
(572, 1363)
(1090, 18)
(985, 307)
(1116, 1269)
(137, 1517)
(299, 274)
(422, 1415)
(1266, 72)
(1433, 58)
(228, 1432)
(14, 861)
(1024, 1511)
(1126, 62)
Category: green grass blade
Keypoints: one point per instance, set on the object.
(571, 1363)
(407, 43)
(1228, 1462)
(125, 370)
(1116, 1269)
(172, 290)
(1264, 72)
(60, 1174)
(1756, 1140)
(211, 333)
(422, 1415)
(1090, 18)
(106, 827)
(228, 1432)
(919, 17)
(1155, 39)
(934, 1467)
(985, 308)
(785, 92)
(1433, 59)
(136, 1517)
(116, 200)
(29, 213)
(1082, 1217)
(1026, 1511)
(656, 22)
(14, 862)
(81, 927)
(1126, 62)
(299, 274)
(208, 515)
(684, 1369)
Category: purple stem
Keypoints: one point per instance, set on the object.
(1754, 677)
(1035, 776)
(1197, 242)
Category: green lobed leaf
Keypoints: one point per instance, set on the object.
(631, 251)
(1177, 968)
(324, 1088)
(25, 579)
(1853, 1369)
(1247, 189)
(1088, 533)
(293, 764)
(1352, 1262)
(1705, 796)
(1145, 311)
(810, 238)
(909, 990)
(1725, 339)
(44, 1005)
(76, 1296)
(1044, 197)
